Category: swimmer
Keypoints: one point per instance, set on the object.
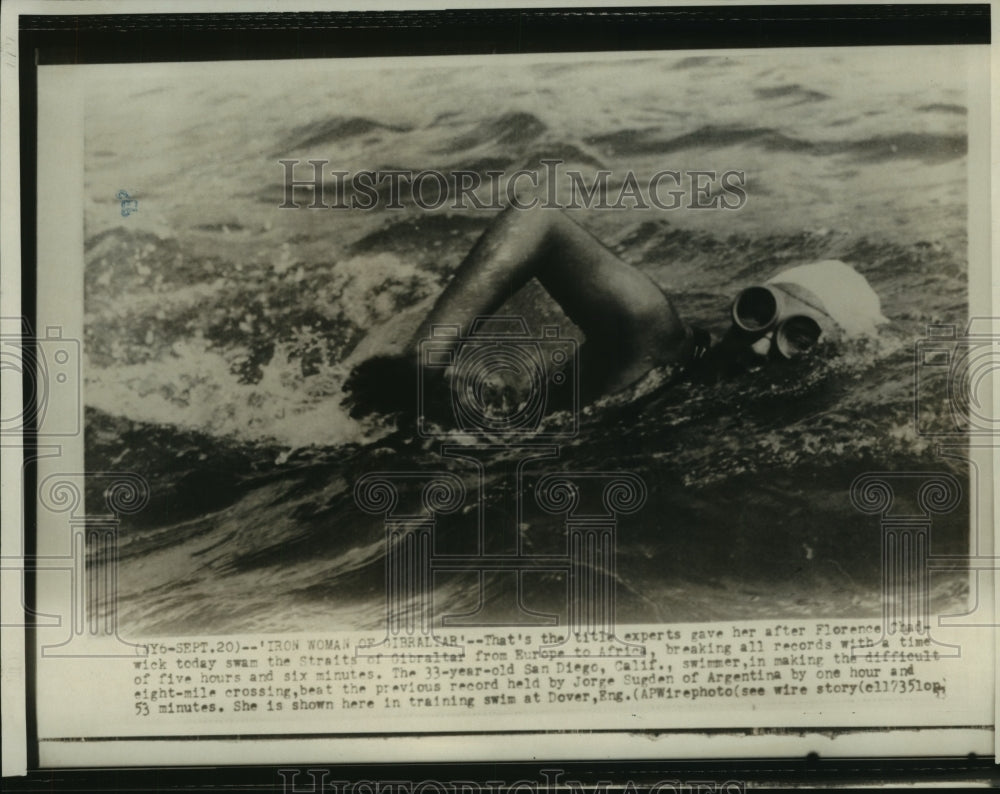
(631, 325)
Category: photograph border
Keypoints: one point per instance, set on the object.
(118, 36)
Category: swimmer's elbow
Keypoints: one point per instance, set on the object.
(666, 336)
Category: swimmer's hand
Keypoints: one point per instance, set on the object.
(382, 385)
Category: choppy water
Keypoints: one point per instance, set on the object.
(219, 328)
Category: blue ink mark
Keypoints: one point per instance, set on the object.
(129, 204)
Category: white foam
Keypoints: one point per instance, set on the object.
(193, 388)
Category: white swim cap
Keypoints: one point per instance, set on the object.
(846, 295)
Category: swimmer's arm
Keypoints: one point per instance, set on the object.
(606, 297)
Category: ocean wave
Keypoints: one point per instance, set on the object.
(330, 131)
(927, 147)
(510, 129)
(944, 107)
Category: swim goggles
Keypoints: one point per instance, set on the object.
(789, 311)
